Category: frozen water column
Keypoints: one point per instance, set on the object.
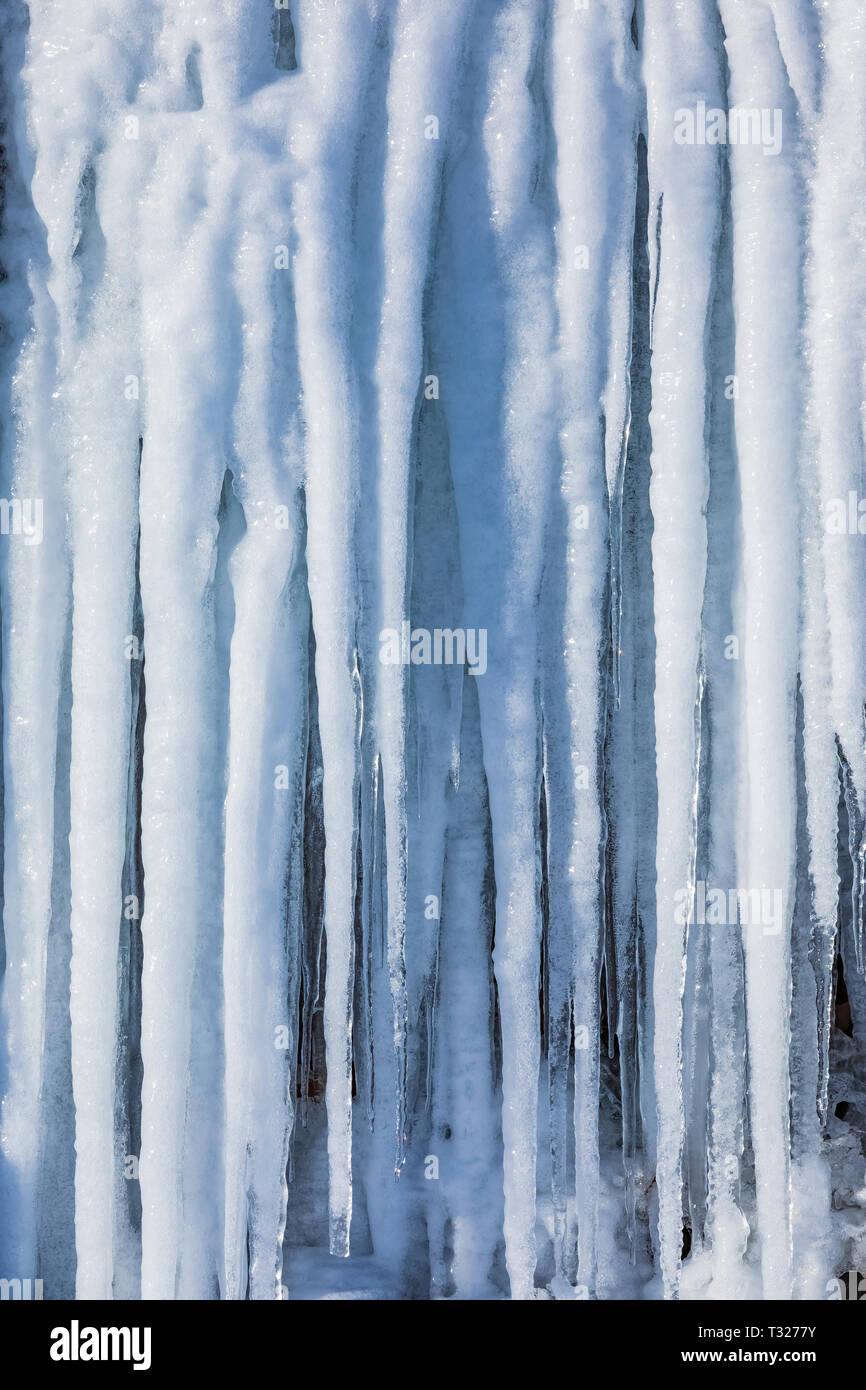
(767, 232)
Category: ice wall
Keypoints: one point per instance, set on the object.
(432, 577)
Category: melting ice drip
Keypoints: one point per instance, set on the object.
(323, 319)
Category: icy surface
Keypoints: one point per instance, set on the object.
(433, 648)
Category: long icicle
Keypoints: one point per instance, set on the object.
(767, 240)
(325, 141)
(591, 53)
(684, 182)
(426, 51)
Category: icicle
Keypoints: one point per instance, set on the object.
(267, 766)
(767, 241)
(187, 311)
(103, 432)
(591, 128)
(98, 391)
(813, 998)
(629, 798)
(465, 1141)
(435, 705)
(367, 811)
(508, 691)
(325, 141)
(812, 1242)
(726, 1228)
(426, 49)
(679, 58)
(821, 768)
(34, 571)
(836, 290)
(558, 1013)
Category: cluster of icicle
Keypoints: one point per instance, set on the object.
(322, 317)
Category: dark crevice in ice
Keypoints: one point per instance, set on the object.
(128, 1069)
(56, 1257)
(285, 59)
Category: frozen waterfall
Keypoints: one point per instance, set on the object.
(433, 651)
